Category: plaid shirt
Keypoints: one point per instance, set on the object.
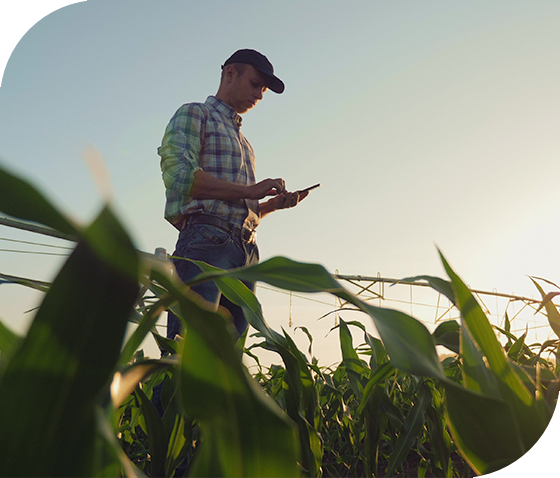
(206, 136)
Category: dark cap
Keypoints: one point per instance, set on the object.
(261, 63)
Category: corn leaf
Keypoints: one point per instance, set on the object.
(9, 342)
(21, 200)
(351, 361)
(157, 435)
(551, 311)
(483, 428)
(67, 358)
(124, 383)
(476, 376)
(442, 286)
(525, 415)
(411, 428)
(448, 334)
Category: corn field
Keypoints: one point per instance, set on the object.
(77, 393)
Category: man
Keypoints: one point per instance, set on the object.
(209, 173)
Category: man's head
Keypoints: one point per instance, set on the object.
(261, 63)
(246, 75)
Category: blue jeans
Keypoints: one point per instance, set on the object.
(218, 248)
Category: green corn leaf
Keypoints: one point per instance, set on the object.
(438, 438)
(178, 447)
(411, 428)
(32, 284)
(483, 428)
(483, 335)
(147, 323)
(476, 376)
(283, 273)
(379, 354)
(21, 200)
(442, 286)
(517, 347)
(529, 417)
(408, 342)
(238, 293)
(447, 334)
(9, 343)
(66, 360)
(305, 330)
(125, 383)
(248, 435)
(381, 373)
(350, 359)
(551, 310)
(157, 435)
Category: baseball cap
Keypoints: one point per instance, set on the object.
(261, 63)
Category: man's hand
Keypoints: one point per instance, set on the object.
(282, 201)
(267, 187)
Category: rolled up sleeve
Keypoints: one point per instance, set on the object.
(180, 148)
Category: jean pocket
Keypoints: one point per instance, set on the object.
(204, 236)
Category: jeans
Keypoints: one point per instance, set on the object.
(218, 248)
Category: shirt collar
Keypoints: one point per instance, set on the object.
(224, 109)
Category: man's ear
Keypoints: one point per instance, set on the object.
(230, 73)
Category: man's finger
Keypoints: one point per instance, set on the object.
(282, 184)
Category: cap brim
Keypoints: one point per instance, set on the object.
(276, 85)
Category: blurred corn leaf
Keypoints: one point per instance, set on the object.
(9, 342)
(21, 200)
(448, 334)
(65, 361)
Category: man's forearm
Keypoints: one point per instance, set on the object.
(206, 186)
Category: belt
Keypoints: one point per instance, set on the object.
(244, 233)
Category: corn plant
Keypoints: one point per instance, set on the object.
(90, 392)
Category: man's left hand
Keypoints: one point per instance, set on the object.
(282, 201)
(287, 199)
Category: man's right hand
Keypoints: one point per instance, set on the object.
(267, 187)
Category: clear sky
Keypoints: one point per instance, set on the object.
(428, 123)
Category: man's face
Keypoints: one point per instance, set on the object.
(246, 89)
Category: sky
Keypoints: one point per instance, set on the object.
(430, 124)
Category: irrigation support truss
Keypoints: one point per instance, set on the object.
(371, 288)
(363, 284)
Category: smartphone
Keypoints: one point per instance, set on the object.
(309, 188)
